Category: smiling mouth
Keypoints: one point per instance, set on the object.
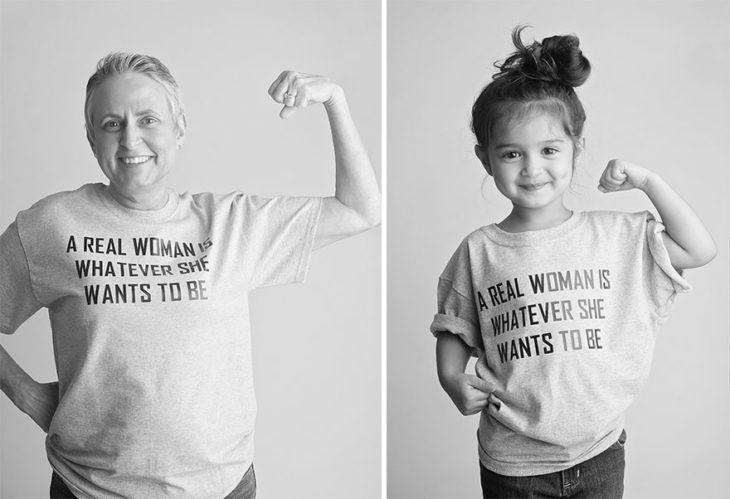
(135, 160)
(534, 187)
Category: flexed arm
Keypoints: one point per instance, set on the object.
(688, 242)
(355, 207)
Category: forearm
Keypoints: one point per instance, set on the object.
(14, 381)
(355, 184)
(452, 355)
(694, 244)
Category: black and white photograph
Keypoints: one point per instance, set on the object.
(558, 225)
(166, 168)
(364, 249)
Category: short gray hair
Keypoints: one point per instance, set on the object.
(121, 62)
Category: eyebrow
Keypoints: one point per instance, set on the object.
(139, 113)
(544, 142)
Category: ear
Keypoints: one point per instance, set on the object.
(181, 125)
(483, 157)
(580, 146)
(91, 142)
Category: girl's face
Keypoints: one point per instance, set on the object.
(531, 161)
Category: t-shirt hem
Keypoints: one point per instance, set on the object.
(541, 468)
(57, 467)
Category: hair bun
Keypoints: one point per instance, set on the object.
(557, 59)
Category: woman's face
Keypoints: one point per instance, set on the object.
(136, 137)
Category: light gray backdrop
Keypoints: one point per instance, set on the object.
(659, 95)
(316, 345)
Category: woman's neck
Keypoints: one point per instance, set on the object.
(144, 201)
(525, 219)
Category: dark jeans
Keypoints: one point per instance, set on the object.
(601, 477)
(246, 488)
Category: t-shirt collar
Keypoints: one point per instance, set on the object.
(532, 237)
(143, 216)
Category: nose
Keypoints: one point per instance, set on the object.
(130, 136)
(531, 166)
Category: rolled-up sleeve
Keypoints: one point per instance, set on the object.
(662, 281)
(457, 312)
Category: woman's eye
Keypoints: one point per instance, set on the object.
(149, 120)
(110, 125)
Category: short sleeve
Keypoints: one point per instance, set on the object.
(661, 280)
(457, 312)
(17, 301)
(279, 238)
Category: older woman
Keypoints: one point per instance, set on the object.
(147, 293)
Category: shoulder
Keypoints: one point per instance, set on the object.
(476, 238)
(214, 200)
(241, 206)
(617, 229)
(54, 205)
(617, 217)
(47, 219)
(616, 221)
(475, 243)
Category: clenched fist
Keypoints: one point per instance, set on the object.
(298, 90)
(621, 175)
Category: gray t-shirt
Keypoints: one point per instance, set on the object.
(563, 322)
(150, 323)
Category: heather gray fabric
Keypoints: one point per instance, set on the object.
(563, 321)
(149, 314)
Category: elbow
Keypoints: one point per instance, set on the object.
(372, 218)
(369, 215)
(366, 222)
(343, 220)
(702, 256)
(707, 255)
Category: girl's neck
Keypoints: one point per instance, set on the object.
(525, 219)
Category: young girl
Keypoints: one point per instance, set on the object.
(561, 308)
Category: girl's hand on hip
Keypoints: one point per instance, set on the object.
(298, 90)
(469, 393)
(621, 175)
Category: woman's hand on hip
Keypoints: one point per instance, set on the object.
(298, 90)
(41, 401)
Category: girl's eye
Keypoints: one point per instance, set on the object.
(511, 155)
(549, 151)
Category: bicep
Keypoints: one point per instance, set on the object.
(679, 258)
(338, 221)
